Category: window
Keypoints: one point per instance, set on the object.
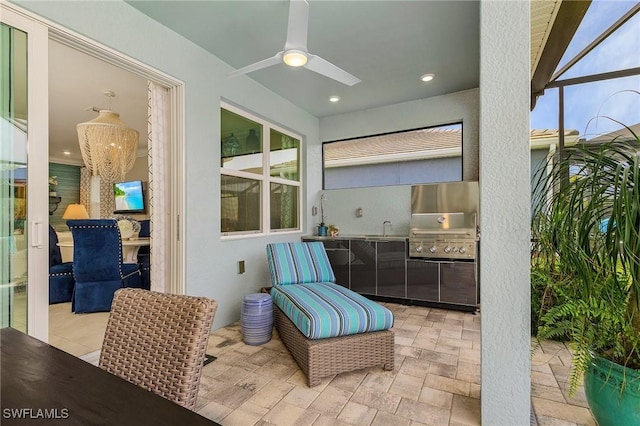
(259, 175)
(418, 156)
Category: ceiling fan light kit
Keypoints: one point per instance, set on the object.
(294, 58)
(295, 51)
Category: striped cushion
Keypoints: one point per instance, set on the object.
(321, 310)
(296, 263)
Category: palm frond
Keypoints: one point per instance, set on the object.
(586, 230)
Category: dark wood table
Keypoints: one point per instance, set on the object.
(41, 382)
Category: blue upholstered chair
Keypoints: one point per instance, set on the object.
(144, 255)
(97, 265)
(61, 280)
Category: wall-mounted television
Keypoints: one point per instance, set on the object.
(129, 197)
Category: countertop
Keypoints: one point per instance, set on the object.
(358, 237)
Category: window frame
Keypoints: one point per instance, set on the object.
(264, 178)
(445, 124)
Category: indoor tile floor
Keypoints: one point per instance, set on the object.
(77, 334)
(436, 379)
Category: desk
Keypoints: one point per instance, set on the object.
(130, 248)
(36, 376)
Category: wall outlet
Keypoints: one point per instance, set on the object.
(241, 266)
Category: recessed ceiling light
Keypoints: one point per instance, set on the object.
(334, 98)
(427, 77)
(66, 152)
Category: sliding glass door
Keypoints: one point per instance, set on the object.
(13, 199)
(23, 175)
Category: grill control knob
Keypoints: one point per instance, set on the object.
(447, 249)
(433, 249)
(455, 249)
(419, 248)
(463, 250)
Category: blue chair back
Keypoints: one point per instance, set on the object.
(97, 264)
(61, 281)
(97, 249)
(55, 257)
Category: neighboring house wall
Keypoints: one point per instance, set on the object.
(538, 159)
(396, 173)
(408, 172)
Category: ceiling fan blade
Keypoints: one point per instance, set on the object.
(274, 60)
(298, 25)
(326, 68)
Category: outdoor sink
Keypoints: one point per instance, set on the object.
(377, 237)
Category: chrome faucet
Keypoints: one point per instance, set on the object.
(384, 227)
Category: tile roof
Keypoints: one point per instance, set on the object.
(417, 144)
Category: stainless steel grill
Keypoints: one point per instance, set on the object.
(441, 236)
(444, 221)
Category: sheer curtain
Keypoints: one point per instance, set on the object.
(158, 125)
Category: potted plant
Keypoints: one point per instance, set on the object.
(322, 228)
(53, 182)
(586, 264)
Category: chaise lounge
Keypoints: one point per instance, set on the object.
(327, 328)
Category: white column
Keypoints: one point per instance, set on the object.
(94, 197)
(505, 213)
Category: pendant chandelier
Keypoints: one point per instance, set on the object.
(108, 146)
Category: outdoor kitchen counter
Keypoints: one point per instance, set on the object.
(381, 268)
(357, 237)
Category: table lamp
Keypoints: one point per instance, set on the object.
(75, 211)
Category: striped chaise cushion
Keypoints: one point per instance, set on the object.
(297, 263)
(321, 310)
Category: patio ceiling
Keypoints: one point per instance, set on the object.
(553, 25)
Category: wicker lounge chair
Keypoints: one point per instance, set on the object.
(158, 342)
(302, 263)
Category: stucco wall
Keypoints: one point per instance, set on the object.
(504, 205)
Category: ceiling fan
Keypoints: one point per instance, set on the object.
(295, 51)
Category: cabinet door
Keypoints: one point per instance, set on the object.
(391, 257)
(423, 280)
(339, 256)
(458, 283)
(363, 266)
